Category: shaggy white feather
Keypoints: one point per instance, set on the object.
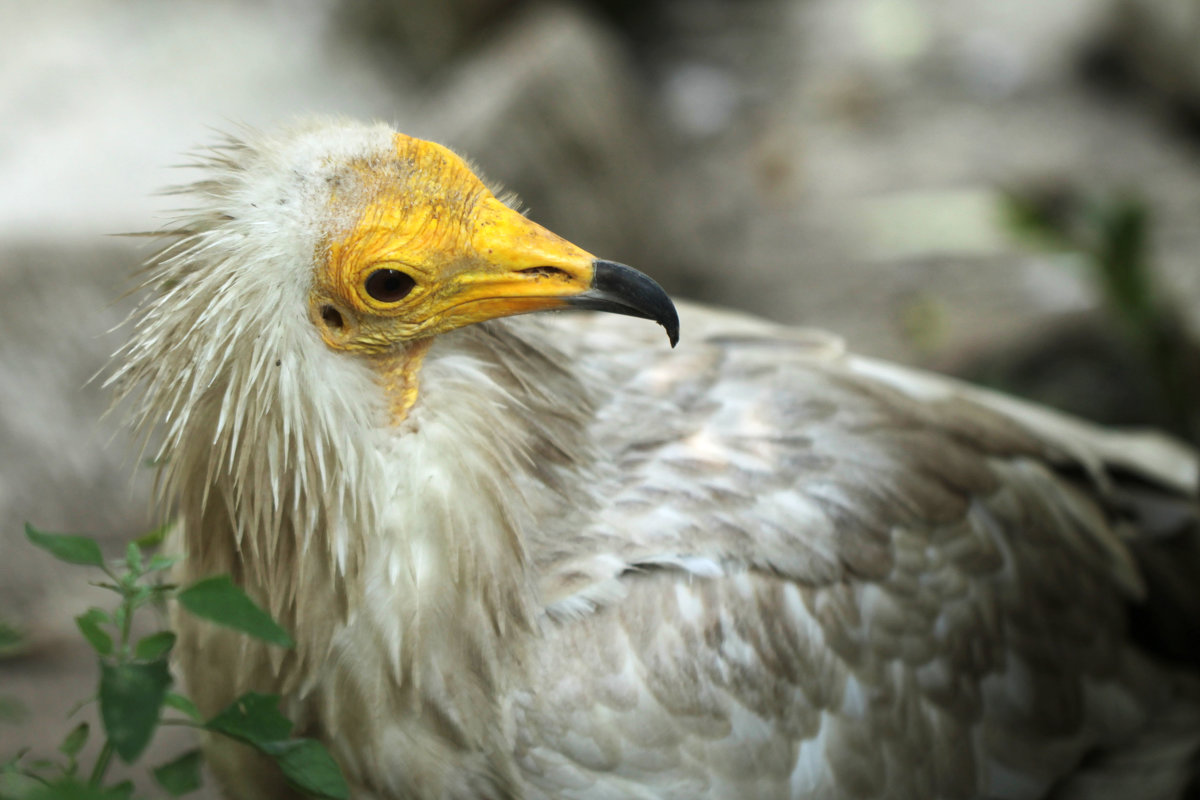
(279, 457)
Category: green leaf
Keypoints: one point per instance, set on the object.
(140, 595)
(73, 789)
(219, 600)
(154, 538)
(182, 775)
(253, 718)
(308, 766)
(256, 720)
(161, 562)
(75, 740)
(89, 625)
(154, 646)
(68, 548)
(121, 791)
(18, 786)
(133, 558)
(131, 699)
(79, 704)
(181, 703)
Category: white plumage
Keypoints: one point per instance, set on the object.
(549, 557)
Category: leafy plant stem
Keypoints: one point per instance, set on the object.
(112, 576)
(183, 723)
(102, 762)
(135, 685)
(126, 627)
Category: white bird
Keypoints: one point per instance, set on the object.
(549, 557)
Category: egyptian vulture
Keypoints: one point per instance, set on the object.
(551, 557)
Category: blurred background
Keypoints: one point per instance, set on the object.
(1004, 191)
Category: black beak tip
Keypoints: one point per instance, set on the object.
(619, 289)
(672, 327)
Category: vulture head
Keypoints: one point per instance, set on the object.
(290, 319)
(309, 363)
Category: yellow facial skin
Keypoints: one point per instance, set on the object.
(470, 257)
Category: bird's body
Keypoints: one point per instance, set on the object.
(547, 557)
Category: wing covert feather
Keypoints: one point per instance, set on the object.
(888, 578)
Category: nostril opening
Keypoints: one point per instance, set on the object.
(332, 317)
(546, 271)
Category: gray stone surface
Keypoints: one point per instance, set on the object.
(1158, 42)
(66, 467)
(552, 109)
(858, 184)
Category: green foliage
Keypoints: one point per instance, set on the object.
(154, 538)
(306, 763)
(71, 549)
(182, 775)
(1111, 231)
(90, 625)
(219, 600)
(75, 740)
(70, 788)
(181, 703)
(134, 692)
(254, 718)
(131, 698)
(154, 646)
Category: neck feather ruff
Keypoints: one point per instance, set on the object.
(281, 462)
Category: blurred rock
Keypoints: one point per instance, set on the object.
(65, 469)
(1083, 364)
(422, 35)
(552, 109)
(101, 97)
(426, 36)
(1155, 44)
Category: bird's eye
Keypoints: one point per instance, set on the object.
(389, 285)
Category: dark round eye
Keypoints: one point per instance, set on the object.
(389, 285)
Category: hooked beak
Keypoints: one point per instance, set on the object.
(439, 251)
(516, 266)
(619, 289)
